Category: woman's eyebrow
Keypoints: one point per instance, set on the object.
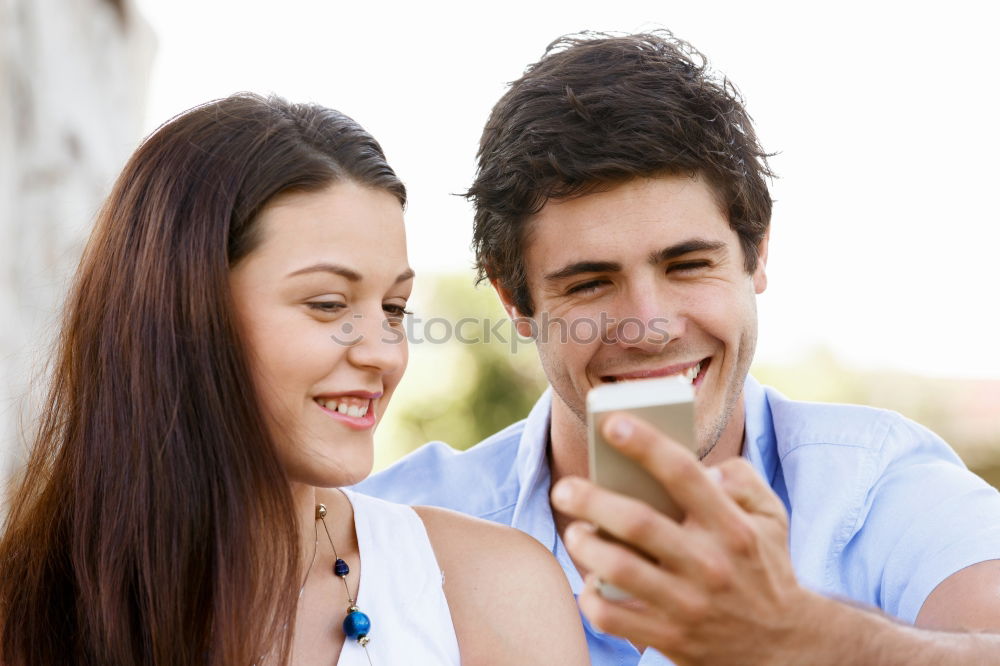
(336, 269)
(345, 272)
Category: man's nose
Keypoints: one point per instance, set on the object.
(648, 320)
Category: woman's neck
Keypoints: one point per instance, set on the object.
(322, 599)
(339, 521)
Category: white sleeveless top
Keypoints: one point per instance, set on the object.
(401, 589)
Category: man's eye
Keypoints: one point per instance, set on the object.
(685, 266)
(326, 307)
(586, 287)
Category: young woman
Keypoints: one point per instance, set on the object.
(231, 341)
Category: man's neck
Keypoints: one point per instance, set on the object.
(567, 453)
(730, 443)
(567, 442)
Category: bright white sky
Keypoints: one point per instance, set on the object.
(884, 115)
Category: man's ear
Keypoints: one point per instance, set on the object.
(760, 273)
(522, 323)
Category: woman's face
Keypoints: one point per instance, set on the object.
(321, 302)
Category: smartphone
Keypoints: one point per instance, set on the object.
(668, 404)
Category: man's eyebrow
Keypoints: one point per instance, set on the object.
(686, 247)
(584, 267)
(345, 272)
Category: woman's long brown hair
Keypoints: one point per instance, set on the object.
(153, 523)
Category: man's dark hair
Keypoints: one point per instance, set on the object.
(598, 110)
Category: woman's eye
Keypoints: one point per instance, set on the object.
(326, 307)
(396, 312)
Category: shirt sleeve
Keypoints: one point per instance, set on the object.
(928, 517)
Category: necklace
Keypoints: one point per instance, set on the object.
(356, 624)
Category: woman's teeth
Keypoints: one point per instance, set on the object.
(348, 407)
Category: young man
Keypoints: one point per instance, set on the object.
(622, 215)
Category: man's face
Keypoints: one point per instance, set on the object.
(643, 280)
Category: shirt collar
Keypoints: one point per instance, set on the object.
(759, 442)
(532, 513)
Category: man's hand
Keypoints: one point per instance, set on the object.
(718, 586)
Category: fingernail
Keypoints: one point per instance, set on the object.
(562, 493)
(715, 474)
(621, 428)
(571, 535)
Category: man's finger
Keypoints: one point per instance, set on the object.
(630, 621)
(684, 477)
(630, 520)
(622, 567)
(741, 482)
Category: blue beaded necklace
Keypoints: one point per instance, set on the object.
(356, 625)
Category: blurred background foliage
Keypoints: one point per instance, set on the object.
(458, 391)
(462, 391)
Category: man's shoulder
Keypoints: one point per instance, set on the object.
(798, 424)
(881, 508)
(480, 481)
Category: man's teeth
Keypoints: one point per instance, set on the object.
(342, 406)
(692, 372)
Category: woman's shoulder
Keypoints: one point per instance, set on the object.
(502, 585)
(461, 541)
(458, 540)
(460, 537)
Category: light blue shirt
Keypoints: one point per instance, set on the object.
(881, 509)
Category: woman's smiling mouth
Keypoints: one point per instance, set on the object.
(355, 410)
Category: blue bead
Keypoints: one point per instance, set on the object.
(340, 568)
(357, 625)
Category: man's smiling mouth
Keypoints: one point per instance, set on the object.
(691, 371)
